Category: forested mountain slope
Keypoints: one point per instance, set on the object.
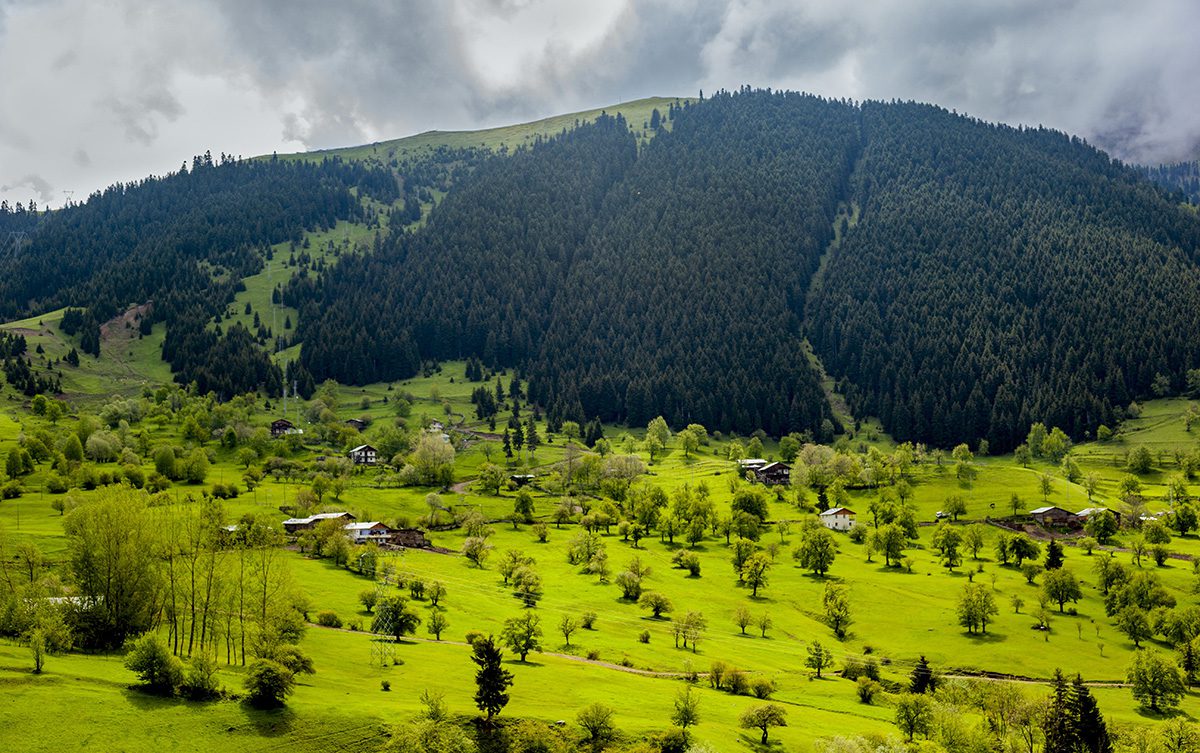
(687, 296)
(999, 277)
(480, 279)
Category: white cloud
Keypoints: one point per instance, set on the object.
(100, 92)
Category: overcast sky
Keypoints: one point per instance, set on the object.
(97, 91)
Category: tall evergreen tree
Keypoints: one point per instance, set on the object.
(492, 681)
(1091, 731)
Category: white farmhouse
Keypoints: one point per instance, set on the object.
(838, 518)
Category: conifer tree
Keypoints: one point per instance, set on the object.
(492, 681)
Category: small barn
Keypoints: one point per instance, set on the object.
(1053, 516)
(838, 518)
(361, 533)
(364, 454)
(356, 423)
(522, 479)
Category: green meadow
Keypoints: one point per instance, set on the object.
(628, 660)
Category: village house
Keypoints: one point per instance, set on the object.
(838, 518)
(281, 427)
(356, 423)
(295, 525)
(522, 479)
(773, 473)
(364, 454)
(1053, 516)
(361, 533)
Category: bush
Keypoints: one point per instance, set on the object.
(329, 619)
(56, 484)
(11, 490)
(474, 635)
(762, 687)
(644, 637)
(385, 686)
(593, 655)
(686, 560)
(716, 674)
(200, 682)
(736, 682)
(852, 668)
(588, 620)
(867, 689)
(269, 683)
(159, 671)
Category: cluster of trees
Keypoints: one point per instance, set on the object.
(18, 367)
(168, 582)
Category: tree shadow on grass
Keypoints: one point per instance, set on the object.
(145, 700)
(753, 740)
(1163, 714)
(270, 722)
(987, 637)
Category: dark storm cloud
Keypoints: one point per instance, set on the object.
(139, 88)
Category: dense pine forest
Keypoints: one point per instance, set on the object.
(1000, 276)
(1178, 176)
(957, 279)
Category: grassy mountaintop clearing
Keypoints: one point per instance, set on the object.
(636, 112)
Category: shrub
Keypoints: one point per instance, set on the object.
(159, 671)
(716, 674)
(56, 484)
(200, 682)
(385, 686)
(867, 689)
(588, 620)
(852, 668)
(736, 682)
(689, 561)
(329, 619)
(762, 687)
(269, 683)
(593, 655)
(644, 637)
(474, 635)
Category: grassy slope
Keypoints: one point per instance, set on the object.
(126, 360)
(511, 137)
